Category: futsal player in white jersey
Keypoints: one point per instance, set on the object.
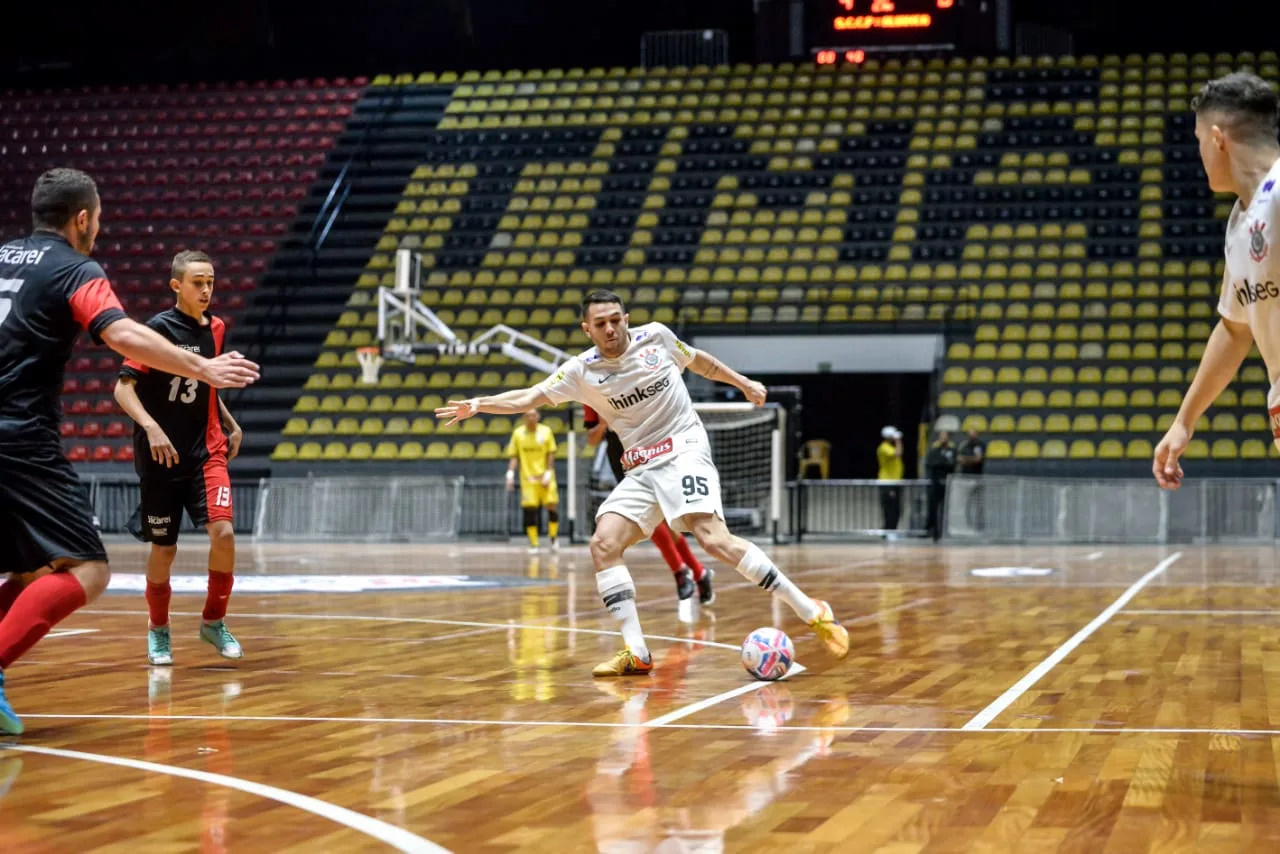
(632, 377)
(1237, 118)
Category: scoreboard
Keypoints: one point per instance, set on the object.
(845, 30)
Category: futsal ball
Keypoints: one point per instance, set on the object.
(768, 654)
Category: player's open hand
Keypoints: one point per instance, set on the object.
(162, 450)
(755, 392)
(230, 370)
(1165, 466)
(457, 410)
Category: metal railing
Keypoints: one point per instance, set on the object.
(1012, 509)
(981, 509)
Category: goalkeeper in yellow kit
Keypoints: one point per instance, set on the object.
(532, 449)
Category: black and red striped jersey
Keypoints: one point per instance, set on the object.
(48, 293)
(186, 409)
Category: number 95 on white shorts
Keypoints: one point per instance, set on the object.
(687, 484)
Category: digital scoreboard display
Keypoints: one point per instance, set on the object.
(837, 30)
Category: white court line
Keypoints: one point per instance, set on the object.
(905, 730)
(423, 621)
(987, 715)
(66, 633)
(694, 708)
(1204, 613)
(396, 837)
(796, 670)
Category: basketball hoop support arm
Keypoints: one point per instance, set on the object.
(522, 348)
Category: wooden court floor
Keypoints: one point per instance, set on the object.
(1028, 699)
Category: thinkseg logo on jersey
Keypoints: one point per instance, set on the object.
(1248, 294)
(640, 393)
(1258, 241)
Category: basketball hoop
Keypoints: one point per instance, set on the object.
(370, 359)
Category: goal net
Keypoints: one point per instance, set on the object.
(746, 445)
(359, 509)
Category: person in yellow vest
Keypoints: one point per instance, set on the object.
(889, 456)
(532, 449)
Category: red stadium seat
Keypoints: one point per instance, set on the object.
(91, 430)
(102, 454)
(79, 407)
(105, 406)
(70, 385)
(93, 386)
(107, 365)
(124, 454)
(115, 430)
(67, 429)
(78, 454)
(82, 365)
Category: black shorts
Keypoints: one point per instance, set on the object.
(45, 512)
(205, 495)
(613, 450)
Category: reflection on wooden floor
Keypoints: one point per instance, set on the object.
(416, 697)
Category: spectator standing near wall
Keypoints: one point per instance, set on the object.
(889, 458)
(939, 463)
(970, 458)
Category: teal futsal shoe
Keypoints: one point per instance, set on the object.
(10, 723)
(220, 638)
(159, 649)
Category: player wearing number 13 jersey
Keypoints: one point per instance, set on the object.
(633, 378)
(183, 437)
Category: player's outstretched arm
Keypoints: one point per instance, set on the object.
(135, 341)
(706, 365)
(507, 403)
(1227, 348)
(162, 450)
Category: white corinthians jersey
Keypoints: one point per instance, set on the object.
(640, 394)
(1251, 286)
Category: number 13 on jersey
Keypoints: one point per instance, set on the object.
(188, 394)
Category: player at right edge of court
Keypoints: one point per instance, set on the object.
(633, 375)
(50, 289)
(1237, 119)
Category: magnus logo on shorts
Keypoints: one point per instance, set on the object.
(642, 455)
(1247, 294)
(640, 393)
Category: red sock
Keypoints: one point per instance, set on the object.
(662, 538)
(8, 593)
(215, 604)
(158, 596)
(686, 553)
(45, 603)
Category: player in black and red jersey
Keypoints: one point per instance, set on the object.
(688, 571)
(183, 437)
(49, 291)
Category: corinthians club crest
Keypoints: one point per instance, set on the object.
(651, 359)
(1257, 241)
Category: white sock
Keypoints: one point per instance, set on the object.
(618, 592)
(756, 567)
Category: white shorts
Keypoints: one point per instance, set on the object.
(687, 484)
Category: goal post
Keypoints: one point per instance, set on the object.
(748, 445)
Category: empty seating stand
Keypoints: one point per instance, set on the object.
(218, 168)
(1048, 214)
